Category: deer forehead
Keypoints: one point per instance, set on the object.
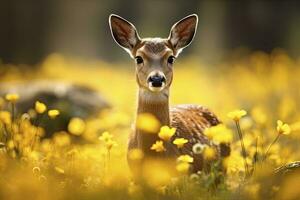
(154, 48)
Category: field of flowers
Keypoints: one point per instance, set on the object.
(257, 97)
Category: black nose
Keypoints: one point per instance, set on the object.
(157, 80)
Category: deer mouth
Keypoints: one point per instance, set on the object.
(156, 87)
(156, 81)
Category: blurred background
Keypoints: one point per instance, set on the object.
(31, 30)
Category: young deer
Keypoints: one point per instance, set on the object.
(154, 59)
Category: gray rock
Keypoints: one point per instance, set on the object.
(71, 99)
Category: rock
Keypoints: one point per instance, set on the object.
(71, 100)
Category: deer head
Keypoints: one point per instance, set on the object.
(154, 57)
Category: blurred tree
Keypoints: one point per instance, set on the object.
(33, 29)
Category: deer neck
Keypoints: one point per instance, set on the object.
(158, 105)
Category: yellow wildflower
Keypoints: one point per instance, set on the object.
(10, 144)
(5, 117)
(166, 133)
(135, 154)
(219, 134)
(62, 139)
(76, 126)
(283, 128)
(53, 113)
(225, 137)
(40, 107)
(236, 115)
(179, 142)
(183, 167)
(158, 146)
(105, 137)
(110, 144)
(147, 122)
(185, 158)
(46, 145)
(209, 153)
(12, 97)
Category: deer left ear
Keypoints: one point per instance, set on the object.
(183, 32)
(124, 33)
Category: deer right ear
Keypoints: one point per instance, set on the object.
(123, 32)
(183, 32)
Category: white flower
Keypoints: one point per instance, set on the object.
(198, 148)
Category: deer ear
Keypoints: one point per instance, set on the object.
(123, 32)
(182, 32)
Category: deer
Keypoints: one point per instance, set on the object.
(154, 60)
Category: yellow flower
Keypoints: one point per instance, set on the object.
(158, 146)
(105, 137)
(179, 142)
(53, 113)
(147, 122)
(5, 117)
(236, 115)
(40, 107)
(110, 144)
(209, 153)
(219, 134)
(283, 128)
(10, 144)
(185, 158)
(76, 126)
(62, 139)
(135, 154)
(183, 167)
(166, 133)
(13, 98)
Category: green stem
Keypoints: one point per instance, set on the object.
(255, 156)
(13, 120)
(269, 147)
(243, 147)
(36, 124)
(13, 111)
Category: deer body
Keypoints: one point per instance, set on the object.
(154, 74)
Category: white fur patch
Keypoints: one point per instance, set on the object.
(150, 96)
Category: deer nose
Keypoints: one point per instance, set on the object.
(157, 80)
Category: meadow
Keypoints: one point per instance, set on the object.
(256, 92)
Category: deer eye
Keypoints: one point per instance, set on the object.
(171, 60)
(139, 60)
